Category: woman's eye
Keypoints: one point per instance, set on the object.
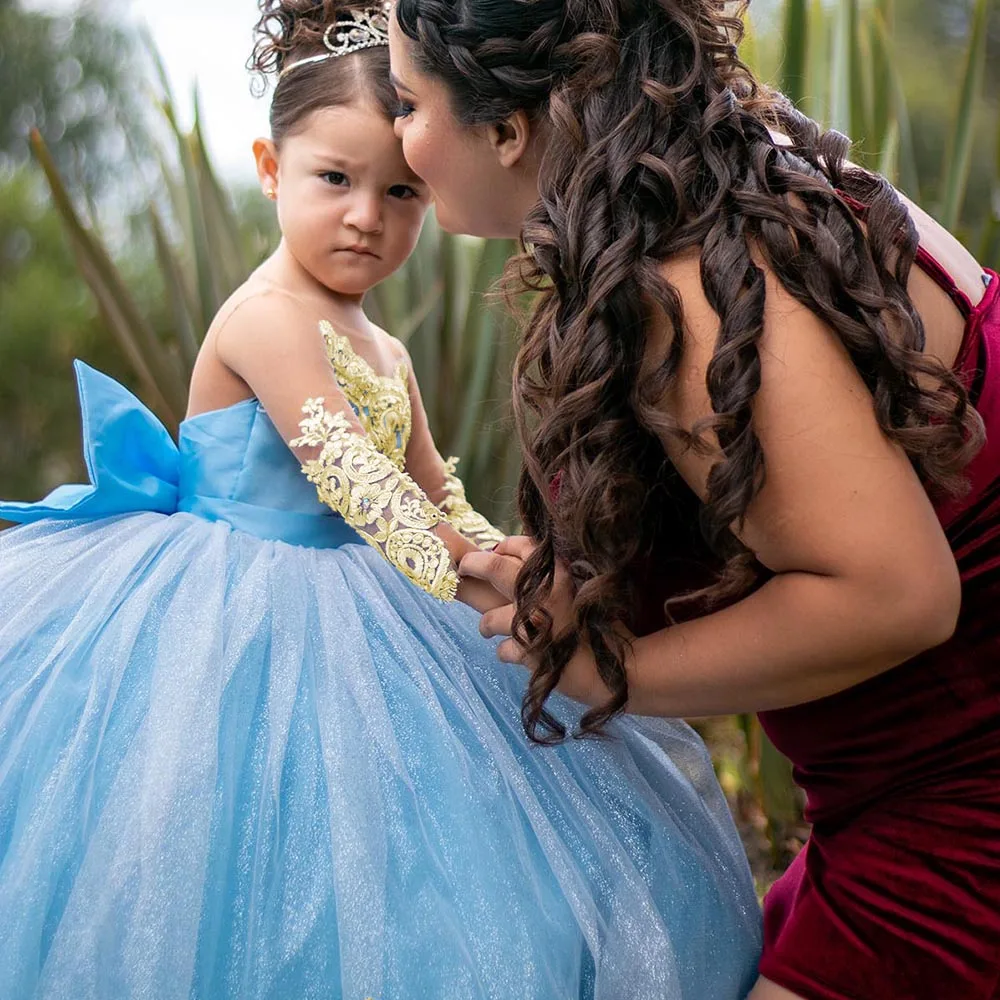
(403, 110)
(334, 177)
(403, 191)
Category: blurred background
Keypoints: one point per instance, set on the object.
(129, 212)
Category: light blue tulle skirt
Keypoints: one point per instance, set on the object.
(232, 767)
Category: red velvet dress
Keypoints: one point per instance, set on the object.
(896, 896)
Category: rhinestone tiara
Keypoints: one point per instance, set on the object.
(352, 31)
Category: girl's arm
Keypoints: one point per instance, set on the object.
(865, 578)
(281, 356)
(438, 477)
(465, 529)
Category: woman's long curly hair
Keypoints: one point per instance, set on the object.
(657, 140)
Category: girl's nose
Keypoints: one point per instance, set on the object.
(364, 213)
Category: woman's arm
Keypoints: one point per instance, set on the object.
(864, 577)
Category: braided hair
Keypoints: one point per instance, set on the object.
(658, 139)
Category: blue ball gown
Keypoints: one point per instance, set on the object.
(241, 756)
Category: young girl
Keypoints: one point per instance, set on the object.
(242, 752)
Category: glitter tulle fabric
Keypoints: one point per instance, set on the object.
(242, 757)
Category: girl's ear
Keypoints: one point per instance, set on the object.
(266, 154)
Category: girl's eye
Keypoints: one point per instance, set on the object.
(403, 110)
(334, 177)
(402, 191)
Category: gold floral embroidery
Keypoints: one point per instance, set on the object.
(377, 498)
(381, 402)
(462, 516)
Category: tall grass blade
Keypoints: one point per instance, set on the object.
(958, 151)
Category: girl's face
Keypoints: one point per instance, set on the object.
(349, 207)
(473, 188)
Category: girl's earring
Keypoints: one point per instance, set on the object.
(271, 193)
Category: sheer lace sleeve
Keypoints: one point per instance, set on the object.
(437, 477)
(461, 515)
(377, 498)
(350, 436)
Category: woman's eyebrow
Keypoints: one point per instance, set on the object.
(398, 84)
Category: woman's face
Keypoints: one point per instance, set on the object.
(473, 191)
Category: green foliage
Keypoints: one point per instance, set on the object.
(46, 319)
(857, 67)
(958, 150)
(71, 75)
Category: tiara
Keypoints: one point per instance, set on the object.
(352, 31)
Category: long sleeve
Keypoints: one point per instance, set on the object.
(377, 498)
(437, 477)
(462, 516)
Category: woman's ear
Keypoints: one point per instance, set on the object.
(266, 154)
(510, 138)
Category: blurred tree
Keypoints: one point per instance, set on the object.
(72, 76)
(47, 317)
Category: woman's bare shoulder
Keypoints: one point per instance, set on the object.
(947, 250)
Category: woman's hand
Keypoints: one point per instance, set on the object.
(499, 569)
(480, 595)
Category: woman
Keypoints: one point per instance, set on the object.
(755, 476)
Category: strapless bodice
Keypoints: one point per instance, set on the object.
(234, 467)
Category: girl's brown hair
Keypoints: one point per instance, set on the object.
(291, 30)
(658, 140)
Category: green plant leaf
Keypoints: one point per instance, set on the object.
(841, 68)
(137, 338)
(818, 68)
(795, 35)
(182, 307)
(958, 151)
(749, 48)
(903, 155)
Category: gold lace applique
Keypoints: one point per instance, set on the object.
(381, 402)
(377, 498)
(462, 516)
